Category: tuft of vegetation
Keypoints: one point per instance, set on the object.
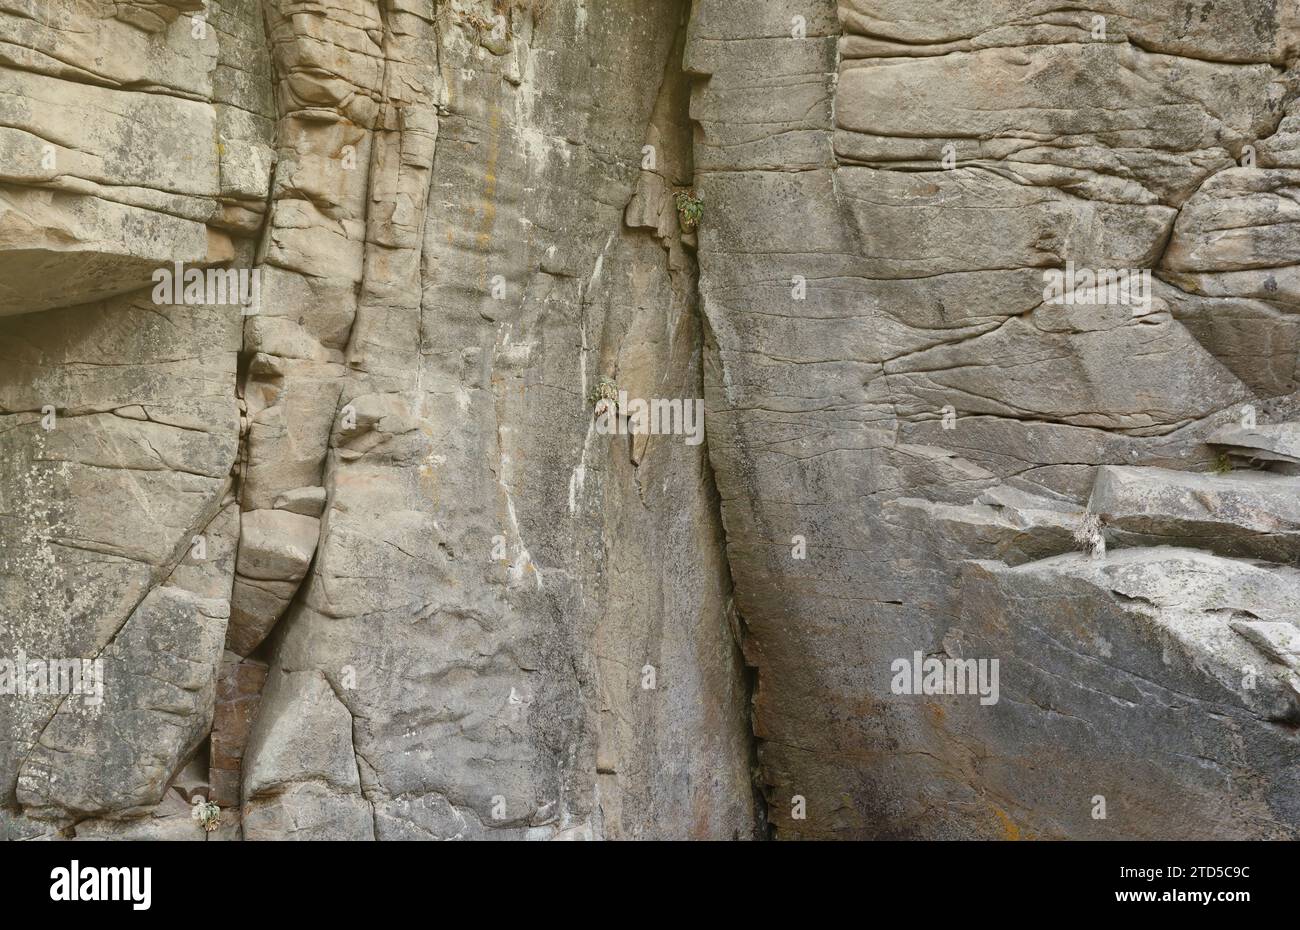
(536, 7)
(206, 813)
(502, 9)
(1090, 535)
(690, 209)
(480, 23)
(606, 390)
(1222, 464)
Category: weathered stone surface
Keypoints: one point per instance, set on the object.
(1154, 629)
(473, 512)
(303, 779)
(170, 821)
(455, 607)
(239, 695)
(106, 505)
(1019, 526)
(1268, 443)
(276, 544)
(58, 249)
(160, 676)
(884, 194)
(130, 44)
(1244, 33)
(306, 501)
(1247, 514)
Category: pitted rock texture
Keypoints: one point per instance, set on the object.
(360, 561)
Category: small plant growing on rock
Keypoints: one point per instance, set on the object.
(483, 25)
(206, 813)
(479, 23)
(1222, 464)
(604, 395)
(690, 209)
(1089, 536)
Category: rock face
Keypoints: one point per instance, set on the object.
(895, 395)
(545, 419)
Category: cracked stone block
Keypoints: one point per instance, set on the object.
(1195, 110)
(276, 545)
(1229, 33)
(60, 249)
(292, 406)
(301, 778)
(1269, 443)
(160, 675)
(1137, 659)
(308, 811)
(1253, 340)
(145, 47)
(304, 733)
(1236, 236)
(94, 131)
(170, 820)
(255, 608)
(153, 15)
(102, 508)
(309, 502)
(275, 548)
(1019, 526)
(1240, 513)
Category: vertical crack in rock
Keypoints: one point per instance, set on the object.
(368, 135)
(782, 159)
(659, 496)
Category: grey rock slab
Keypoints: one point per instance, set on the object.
(309, 502)
(1269, 442)
(159, 685)
(1136, 660)
(276, 545)
(1240, 513)
(60, 249)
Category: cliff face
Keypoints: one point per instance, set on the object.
(359, 558)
